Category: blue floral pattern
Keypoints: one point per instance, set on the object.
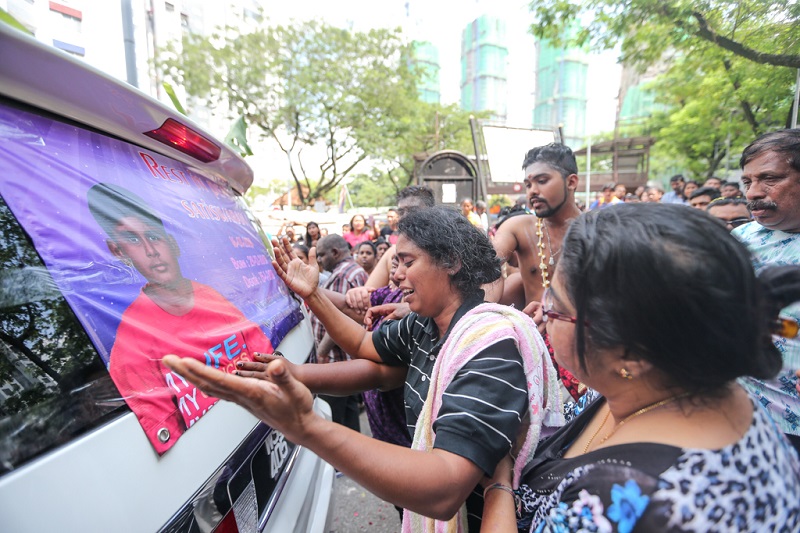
(751, 485)
(628, 505)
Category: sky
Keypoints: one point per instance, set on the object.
(441, 22)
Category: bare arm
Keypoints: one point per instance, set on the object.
(336, 379)
(358, 297)
(349, 335)
(499, 515)
(338, 299)
(505, 244)
(432, 483)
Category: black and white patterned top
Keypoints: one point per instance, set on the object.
(481, 407)
(752, 485)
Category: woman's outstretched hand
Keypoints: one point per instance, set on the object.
(257, 368)
(277, 398)
(300, 277)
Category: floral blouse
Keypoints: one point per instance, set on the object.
(751, 485)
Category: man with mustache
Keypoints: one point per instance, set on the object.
(771, 178)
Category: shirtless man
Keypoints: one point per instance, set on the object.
(551, 178)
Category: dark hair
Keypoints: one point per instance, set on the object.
(422, 192)
(366, 226)
(677, 177)
(367, 243)
(784, 142)
(381, 240)
(698, 273)
(646, 293)
(692, 181)
(726, 201)
(711, 192)
(308, 239)
(557, 156)
(301, 247)
(110, 203)
(452, 242)
(335, 242)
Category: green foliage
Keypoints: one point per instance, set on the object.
(372, 190)
(174, 98)
(237, 137)
(305, 84)
(764, 31)
(724, 78)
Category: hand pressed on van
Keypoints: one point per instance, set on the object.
(277, 398)
(433, 483)
(301, 278)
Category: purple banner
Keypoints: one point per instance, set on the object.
(154, 257)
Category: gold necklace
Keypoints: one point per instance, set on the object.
(542, 264)
(622, 422)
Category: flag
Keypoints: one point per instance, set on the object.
(342, 198)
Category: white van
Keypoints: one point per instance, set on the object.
(80, 447)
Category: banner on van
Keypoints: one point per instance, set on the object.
(153, 257)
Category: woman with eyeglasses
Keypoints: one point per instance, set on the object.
(661, 324)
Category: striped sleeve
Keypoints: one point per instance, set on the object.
(483, 406)
(392, 340)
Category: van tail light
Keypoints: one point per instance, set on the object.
(182, 138)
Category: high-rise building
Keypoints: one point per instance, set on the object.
(123, 37)
(484, 69)
(426, 58)
(561, 93)
(637, 97)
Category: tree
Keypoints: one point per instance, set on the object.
(426, 128)
(762, 31)
(715, 106)
(724, 78)
(304, 85)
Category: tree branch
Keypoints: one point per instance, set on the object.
(779, 60)
(749, 116)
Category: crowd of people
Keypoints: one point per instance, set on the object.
(633, 367)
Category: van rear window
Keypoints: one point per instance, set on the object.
(53, 386)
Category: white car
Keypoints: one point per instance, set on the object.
(78, 451)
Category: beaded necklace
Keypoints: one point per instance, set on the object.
(540, 225)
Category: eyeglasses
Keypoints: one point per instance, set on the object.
(548, 313)
(736, 222)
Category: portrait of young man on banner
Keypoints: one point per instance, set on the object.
(153, 257)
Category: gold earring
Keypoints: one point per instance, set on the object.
(127, 262)
(624, 374)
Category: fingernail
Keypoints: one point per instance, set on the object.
(235, 372)
(239, 365)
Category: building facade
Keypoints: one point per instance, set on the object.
(561, 91)
(484, 67)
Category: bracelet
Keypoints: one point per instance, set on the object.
(506, 488)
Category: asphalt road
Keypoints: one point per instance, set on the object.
(357, 509)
